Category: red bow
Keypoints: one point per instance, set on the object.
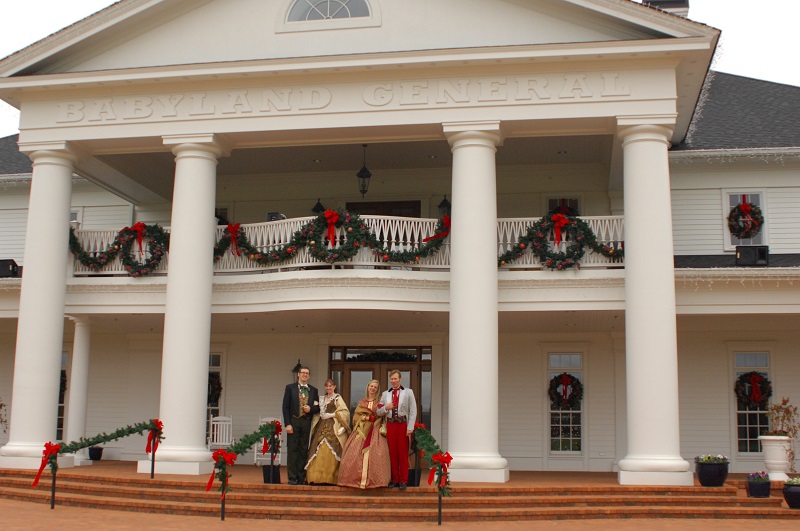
(755, 391)
(443, 234)
(333, 218)
(420, 425)
(445, 460)
(229, 458)
(559, 222)
(565, 381)
(152, 438)
(233, 230)
(49, 451)
(139, 229)
(746, 208)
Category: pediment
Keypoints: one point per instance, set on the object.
(152, 33)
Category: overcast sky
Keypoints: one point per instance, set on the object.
(760, 38)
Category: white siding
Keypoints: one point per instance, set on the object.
(783, 219)
(107, 217)
(13, 223)
(696, 222)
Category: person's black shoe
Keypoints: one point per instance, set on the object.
(292, 482)
(391, 485)
(402, 486)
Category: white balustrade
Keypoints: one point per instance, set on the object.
(395, 233)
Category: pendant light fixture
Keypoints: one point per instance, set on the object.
(363, 175)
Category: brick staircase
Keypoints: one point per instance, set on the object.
(468, 503)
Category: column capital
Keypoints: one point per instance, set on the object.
(209, 143)
(57, 150)
(658, 128)
(483, 132)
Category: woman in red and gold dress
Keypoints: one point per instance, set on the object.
(365, 458)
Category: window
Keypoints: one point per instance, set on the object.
(733, 199)
(565, 392)
(566, 205)
(62, 397)
(215, 379)
(304, 10)
(750, 421)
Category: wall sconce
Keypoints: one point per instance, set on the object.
(444, 207)
(363, 175)
(318, 208)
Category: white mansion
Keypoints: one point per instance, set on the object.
(514, 114)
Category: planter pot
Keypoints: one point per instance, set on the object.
(758, 489)
(272, 474)
(711, 474)
(791, 493)
(95, 454)
(775, 457)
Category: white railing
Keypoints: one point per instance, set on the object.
(607, 229)
(395, 233)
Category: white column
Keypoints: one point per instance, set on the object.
(651, 335)
(473, 436)
(187, 323)
(40, 329)
(79, 386)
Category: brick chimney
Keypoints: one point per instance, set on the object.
(676, 7)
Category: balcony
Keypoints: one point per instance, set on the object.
(394, 233)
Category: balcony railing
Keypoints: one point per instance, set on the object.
(393, 232)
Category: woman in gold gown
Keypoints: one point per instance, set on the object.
(329, 431)
(365, 459)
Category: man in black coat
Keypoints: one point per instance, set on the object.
(300, 404)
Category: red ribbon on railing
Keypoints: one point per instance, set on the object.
(559, 222)
(445, 460)
(230, 459)
(755, 388)
(443, 234)
(50, 450)
(566, 380)
(333, 218)
(139, 229)
(233, 230)
(152, 438)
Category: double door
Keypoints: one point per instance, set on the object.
(356, 376)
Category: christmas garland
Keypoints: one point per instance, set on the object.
(316, 234)
(439, 460)
(753, 390)
(565, 399)
(745, 220)
(157, 244)
(569, 228)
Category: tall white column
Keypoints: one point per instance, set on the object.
(187, 323)
(40, 329)
(651, 333)
(79, 386)
(473, 431)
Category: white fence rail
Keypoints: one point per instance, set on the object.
(393, 232)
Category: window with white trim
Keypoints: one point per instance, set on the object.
(735, 198)
(750, 421)
(62, 396)
(566, 413)
(569, 205)
(215, 381)
(307, 10)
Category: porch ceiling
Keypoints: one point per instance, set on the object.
(154, 171)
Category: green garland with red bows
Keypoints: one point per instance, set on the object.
(316, 235)
(157, 244)
(745, 220)
(564, 228)
(753, 390)
(439, 460)
(565, 392)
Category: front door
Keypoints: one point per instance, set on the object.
(352, 375)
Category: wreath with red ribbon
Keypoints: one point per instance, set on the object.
(745, 220)
(753, 390)
(565, 392)
(157, 245)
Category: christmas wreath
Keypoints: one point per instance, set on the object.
(753, 390)
(564, 228)
(320, 231)
(157, 244)
(745, 220)
(565, 392)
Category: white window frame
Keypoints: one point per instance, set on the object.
(557, 197)
(729, 245)
(222, 351)
(282, 25)
(742, 347)
(580, 372)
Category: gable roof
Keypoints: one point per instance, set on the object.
(12, 162)
(738, 112)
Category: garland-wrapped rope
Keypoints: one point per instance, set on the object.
(439, 460)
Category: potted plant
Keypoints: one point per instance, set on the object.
(758, 485)
(95, 453)
(784, 425)
(711, 470)
(791, 492)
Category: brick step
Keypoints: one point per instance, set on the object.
(450, 513)
(332, 499)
